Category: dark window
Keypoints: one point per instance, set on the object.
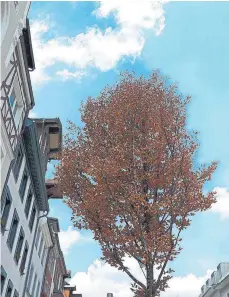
(16, 293)
(32, 218)
(34, 284)
(28, 203)
(5, 208)
(13, 230)
(9, 289)
(24, 181)
(54, 130)
(20, 241)
(3, 278)
(24, 258)
(17, 162)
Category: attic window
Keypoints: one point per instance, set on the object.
(54, 130)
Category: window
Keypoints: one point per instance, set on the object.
(9, 289)
(38, 289)
(13, 230)
(28, 203)
(24, 181)
(30, 277)
(24, 257)
(5, 208)
(20, 241)
(17, 162)
(34, 284)
(38, 237)
(13, 102)
(16, 293)
(54, 130)
(40, 247)
(3, 278)
(32, 217)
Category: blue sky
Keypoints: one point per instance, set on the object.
(192, 49)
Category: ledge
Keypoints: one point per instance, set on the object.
(34, 162)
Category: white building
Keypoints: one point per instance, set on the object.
(25, 148)
(218, 284)
(16, 92)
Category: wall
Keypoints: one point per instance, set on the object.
(7, 256)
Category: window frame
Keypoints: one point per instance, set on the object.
(22, 189)
(3, 273)
(11, 236)
(9, 285)
(18, 161)
(17, 254)
(27, 209)
(5, 195)
(24, 258)
(32, 217)
(31, 272)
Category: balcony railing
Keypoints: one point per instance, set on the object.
(6, 110)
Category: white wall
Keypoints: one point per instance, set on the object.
(36, 261)
(7, 256)
(13, 19)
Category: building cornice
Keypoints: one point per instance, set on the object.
(34, 160)
(46, 232)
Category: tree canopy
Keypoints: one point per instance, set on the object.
(129, 175)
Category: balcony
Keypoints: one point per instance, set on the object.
(53, 189)
(7, 114)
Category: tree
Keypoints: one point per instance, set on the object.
(129, 175)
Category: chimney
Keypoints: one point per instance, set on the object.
(110, 295)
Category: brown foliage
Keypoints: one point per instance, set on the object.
(129, 175)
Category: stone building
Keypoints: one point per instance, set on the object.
(218, 284)
(55, 272)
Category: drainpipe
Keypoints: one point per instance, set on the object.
(31, 253)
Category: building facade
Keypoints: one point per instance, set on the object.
(28, 237)
(16, 91)
(56, 272)
(218, 284)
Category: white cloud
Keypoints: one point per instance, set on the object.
(135, 14)
(188, 286)
(101, 279)
(71, 237)
(32, 114)
(222, 204)
(66, 74)
(101, 49)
